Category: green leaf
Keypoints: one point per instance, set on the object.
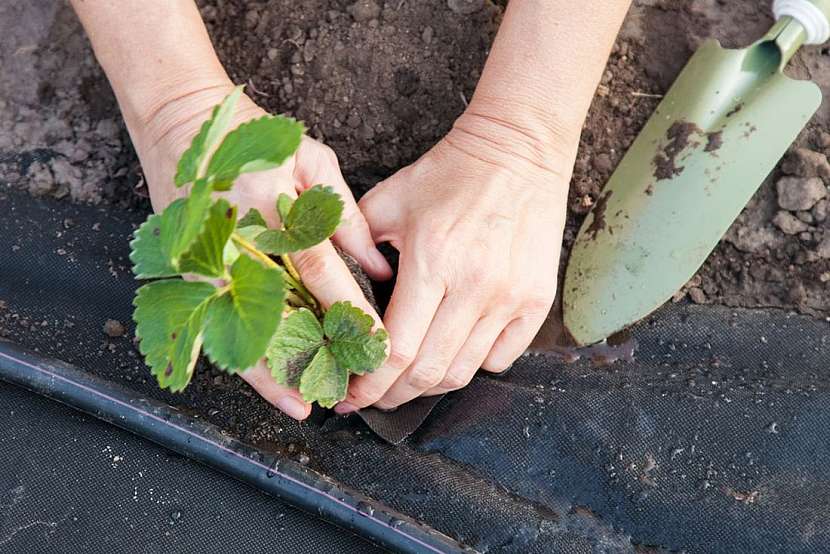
(253, 217)
(149, 260)
(249, 233)
(324, 381)
(257, 145)
(349, 330)
(183, 221)
(284, 203)
(313, 218)
(292, 347)
(241, 322)
(210, 132)
(205, 255)
(170, 316)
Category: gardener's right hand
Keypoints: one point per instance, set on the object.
(165, 133)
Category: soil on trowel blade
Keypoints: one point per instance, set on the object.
(382, 80)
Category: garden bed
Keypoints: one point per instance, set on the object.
(381, 86)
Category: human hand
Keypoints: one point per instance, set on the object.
(478, 222)
(166, 134)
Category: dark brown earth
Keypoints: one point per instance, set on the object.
(381, 81)
(678, 137)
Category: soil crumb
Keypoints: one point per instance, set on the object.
(714, 141)
(678, 139)
(598, 224)
(114, 329)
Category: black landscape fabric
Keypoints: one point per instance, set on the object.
(715, 439)
(70, 483)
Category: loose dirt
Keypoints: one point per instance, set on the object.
(381, 81)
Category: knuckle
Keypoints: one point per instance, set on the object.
(314, 266)
(424, 377)
(513, 298)
(328, 154)
(400, 360)
(536, 305)
(363, 393)
(455, 380)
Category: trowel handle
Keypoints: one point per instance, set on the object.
(812, 15)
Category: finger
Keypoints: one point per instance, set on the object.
(287, 400)
(469, 359)
(448, 332)
(318, 163)
(512, 343)
(382, 211)
(353, 234)
(327, 277)
(411, 310)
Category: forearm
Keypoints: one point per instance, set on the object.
(544, 68)
(153, 52)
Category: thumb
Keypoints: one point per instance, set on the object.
(353, 234)
(381, 208)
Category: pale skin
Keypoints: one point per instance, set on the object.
(477, 220)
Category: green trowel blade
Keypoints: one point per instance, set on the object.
(714, 138)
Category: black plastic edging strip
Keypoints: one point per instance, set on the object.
(201, 441)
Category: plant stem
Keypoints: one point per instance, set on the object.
(292, 270)
(252, 250)
(293, 282)
(296, 300)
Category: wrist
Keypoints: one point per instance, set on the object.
(152, 113)
(522, 136)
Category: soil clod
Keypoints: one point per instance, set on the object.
(678, 139)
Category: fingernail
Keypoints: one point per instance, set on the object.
(345, 408)
(504, 371)
(378, 261)
(292, 407)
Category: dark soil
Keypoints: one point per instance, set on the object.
(381, 81)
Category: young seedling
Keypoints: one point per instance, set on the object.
(245, 300)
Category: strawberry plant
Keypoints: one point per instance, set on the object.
(243, 299)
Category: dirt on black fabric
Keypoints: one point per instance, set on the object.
(381, 81)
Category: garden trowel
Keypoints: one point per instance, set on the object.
(714, 138)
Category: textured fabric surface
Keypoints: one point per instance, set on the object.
(69, 483)
(715, 439)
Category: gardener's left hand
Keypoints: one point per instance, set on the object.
(478, 222)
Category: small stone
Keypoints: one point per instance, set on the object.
(66, 174)
(364, 10)
(251, 19)
(41, 180)
(428, 34)
(819, 211)
(697, 295)
(602, 163)
(798, 193)
(465, 7)
(113, 328)
(824, 139)
(806, 217)
(806, 163)
(273, 54)
(823, 249)
(788, 223)
(107, 129)
(353, 121)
